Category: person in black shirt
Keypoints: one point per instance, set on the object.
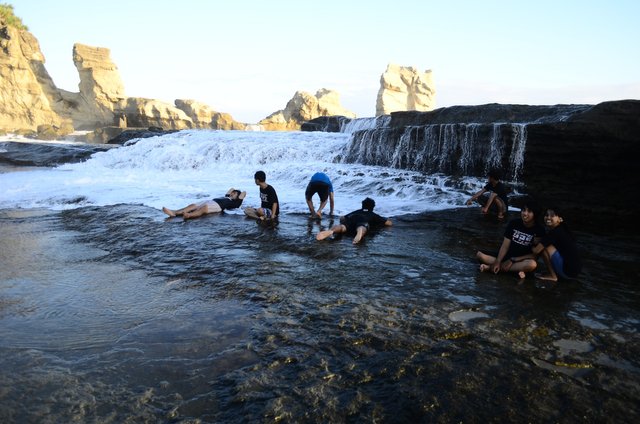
(357, 222)
(269, 206)
(515, 253)
(497, 195)
(558, 249)
(231, 200)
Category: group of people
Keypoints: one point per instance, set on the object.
(525, 239)
(357, 222)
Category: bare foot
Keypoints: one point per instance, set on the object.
(319, 215)
(522, 275)
(546, 277)
(168, 211)
(500, 216)
(186, 215)
(324, 234)
(484, 268)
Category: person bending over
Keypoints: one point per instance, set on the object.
(320, 183)
(357, 222)
(515, 253)
(497, 195)
(231, 200)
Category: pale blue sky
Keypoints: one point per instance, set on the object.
(248, 58)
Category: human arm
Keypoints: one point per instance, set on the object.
(475, 196)
(504, 248)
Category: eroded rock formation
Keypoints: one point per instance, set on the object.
(405, 89)
(305, 107)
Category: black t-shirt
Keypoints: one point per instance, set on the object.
(560, 238)
(227, 203)
(364, 218)
(500, 190)
(521, 237)
(268, 197)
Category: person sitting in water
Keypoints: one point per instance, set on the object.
(497, 195)
(515, 253)
(558, 249)
(320, 183)
(269, 206)
(231, 200)
(357, 222)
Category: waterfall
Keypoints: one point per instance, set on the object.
(452, 149)
(360, 124)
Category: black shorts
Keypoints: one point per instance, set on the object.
(352, 225)
(317, 187)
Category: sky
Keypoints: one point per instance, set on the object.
(249, 57)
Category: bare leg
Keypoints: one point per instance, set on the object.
(328, 233)
(311, 209)
(179, 212)
(502, 208)
(360, 232)
(546, 256)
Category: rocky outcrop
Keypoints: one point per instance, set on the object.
(204, 117)
(580, 158)
(405, 89)
(28, 97)
(305, 107)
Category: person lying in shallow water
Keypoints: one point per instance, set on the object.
(231, 200)
(357, 222)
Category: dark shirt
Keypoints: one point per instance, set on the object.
(564, 243)
(363, 218)
(268, 197)
(521, 237)
(227, 203)
(499, 189)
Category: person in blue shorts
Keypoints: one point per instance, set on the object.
(231, 200)
(269, 206)
(320, 183)
(558, 249)
(357, 222)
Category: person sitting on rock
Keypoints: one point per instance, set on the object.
(231, 200)
(493, 194)
(357, 222)
(515, 253)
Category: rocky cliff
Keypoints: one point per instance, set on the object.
(405, 89)
(580, 158)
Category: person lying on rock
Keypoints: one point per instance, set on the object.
(515, 254)
(231, 200)
(357, 222)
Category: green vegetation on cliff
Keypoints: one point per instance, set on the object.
(7, 16)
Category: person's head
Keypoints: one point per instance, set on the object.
(529, 211)
(494, 176)
(235, 194)
(552, 217)
(368, 204)
(260, 177)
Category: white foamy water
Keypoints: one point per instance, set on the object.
(177, 169)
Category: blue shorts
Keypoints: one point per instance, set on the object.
(558, 264)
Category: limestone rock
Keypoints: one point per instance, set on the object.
(204, 117)
(305, 107)
(405, 89)
(27, 93)
(143, 113)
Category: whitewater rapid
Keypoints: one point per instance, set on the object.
(177, 169)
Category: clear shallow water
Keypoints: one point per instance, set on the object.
(114, 314)
(109, 312)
